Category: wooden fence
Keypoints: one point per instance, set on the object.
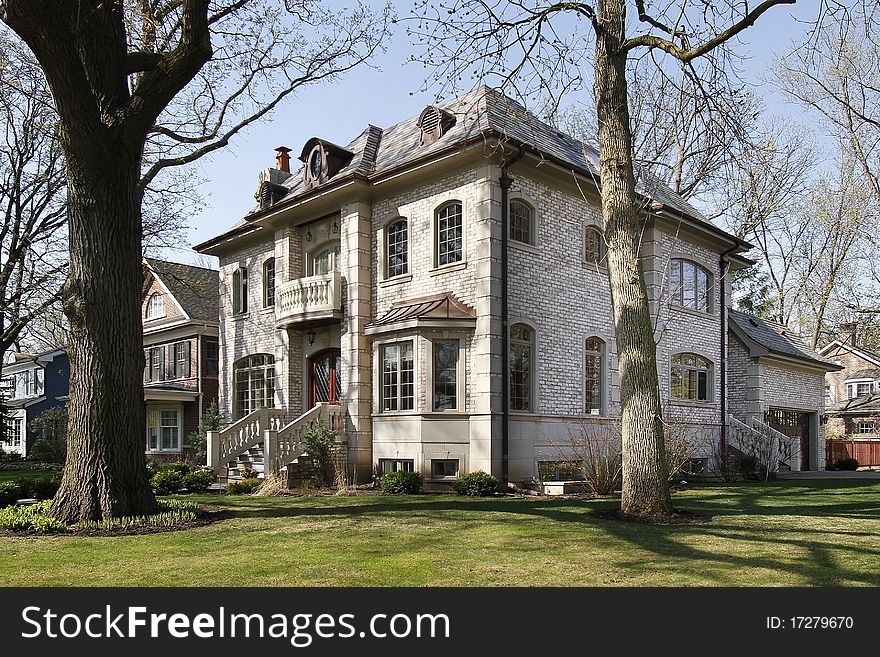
(866, 451)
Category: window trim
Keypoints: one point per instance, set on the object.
(153, 312)
(237, 411)
(533, 221)
(395, 461)
(601, 263)
(267, 280)
(177, 410)
(379, 385)
(385, 244)
(240, 290)
(533, 367)
(460, 372)
(445, 477)
(676, 288)
(710, 378)
(436, 235)
(603, 375)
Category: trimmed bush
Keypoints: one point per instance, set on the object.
(402, 483)
(243, 486)
(476, 484)
(847, 464)
(166, 482)
(198, 480)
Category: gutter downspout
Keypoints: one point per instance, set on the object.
(505, 181)
(723, 369)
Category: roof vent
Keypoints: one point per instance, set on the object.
(433, 123)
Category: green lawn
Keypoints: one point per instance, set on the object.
(27, 474)
(779, 534)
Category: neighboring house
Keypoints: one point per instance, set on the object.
(181, 352)
(32, 383)
(368, 287)
(852, 397)
(777, 380)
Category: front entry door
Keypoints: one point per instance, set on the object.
(325, 372)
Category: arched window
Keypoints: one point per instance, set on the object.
(594, 375)
(594, 246)
(326, 259)
(522, 222)
(254, 383)
(690, 285)
(449, 234)
(396, 248)
(690, 378)
(522, 354)
(240, 291)
(156, 306)
(269, 283)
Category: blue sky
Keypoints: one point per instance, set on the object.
(388, 94)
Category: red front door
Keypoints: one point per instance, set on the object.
(325, 372)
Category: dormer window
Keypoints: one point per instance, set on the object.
(322, 160)
(433, 123)
(861, 388)
(156, 306)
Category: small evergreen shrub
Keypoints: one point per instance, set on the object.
(847, 464)
(476, 484)
(166, 482)
(198, 440)
(198, 480)
(243, 486)
(10, 493)
(41, 489)
(318, 442)
(248, 473)
(50, 428)
(402, 483)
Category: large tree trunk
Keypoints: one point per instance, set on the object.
(645, 481)
(105, 471)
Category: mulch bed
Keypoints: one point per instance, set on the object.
(679, 517)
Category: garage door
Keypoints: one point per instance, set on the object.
(795, 424)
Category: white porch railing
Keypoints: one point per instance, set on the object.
(312, 297)
(240, 436)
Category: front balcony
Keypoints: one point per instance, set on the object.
(310, 300)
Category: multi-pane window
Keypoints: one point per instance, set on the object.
(445, 374)
(594, 367)
(163, 430)
(865, 427)
(690, 377)
(212, 358)
(594, 246)
(522, 349)
(449, 234)
(521, 222)
(326, 259)
(156, 364)
(444, 468)
(240, 290)
(269, 283)
(398, 388)
(396, 244)
(156, 306)
(859, 389)
(180, 360)
(28, 383)
(12, 432)
(690, 285)
(254, 384)
(395, 465)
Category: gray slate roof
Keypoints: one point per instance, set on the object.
(482, 112)
(196, 289)
(777, 338)
(865, 374)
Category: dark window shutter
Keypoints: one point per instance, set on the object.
(186, 354)
(147, 365)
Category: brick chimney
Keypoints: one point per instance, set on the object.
(282, 159)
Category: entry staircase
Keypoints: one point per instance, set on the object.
(261, 442)
(773, 449)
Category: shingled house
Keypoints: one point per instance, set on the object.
(438, 291)
(181, 353)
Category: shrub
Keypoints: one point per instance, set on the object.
(199, 439)
(178, 466)
(166, 482)
(243, 486)
(847, 464)
(41, 489)
(50, 427)
(248, 473)
(27, 466)
(402, 483)
(318, 443)
(10, 493)
(476, 484)
(34, 517)
(198, 481)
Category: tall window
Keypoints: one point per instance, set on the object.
(269, 283)
(594, 369)
(212, 358)
(326, 259)
(180, 360)
(691, 378)
(690, 285)
(594, 246)
(449, 234)
(156, 306)
(445, 375)
(521, 223)
(522, 349)
(398, 389)
(396, 244)
(156, 364)
(163, 431)
(254, 384)
(240, 290)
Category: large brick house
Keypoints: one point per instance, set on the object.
(376, 286)
(31, 384)
(181, 353)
